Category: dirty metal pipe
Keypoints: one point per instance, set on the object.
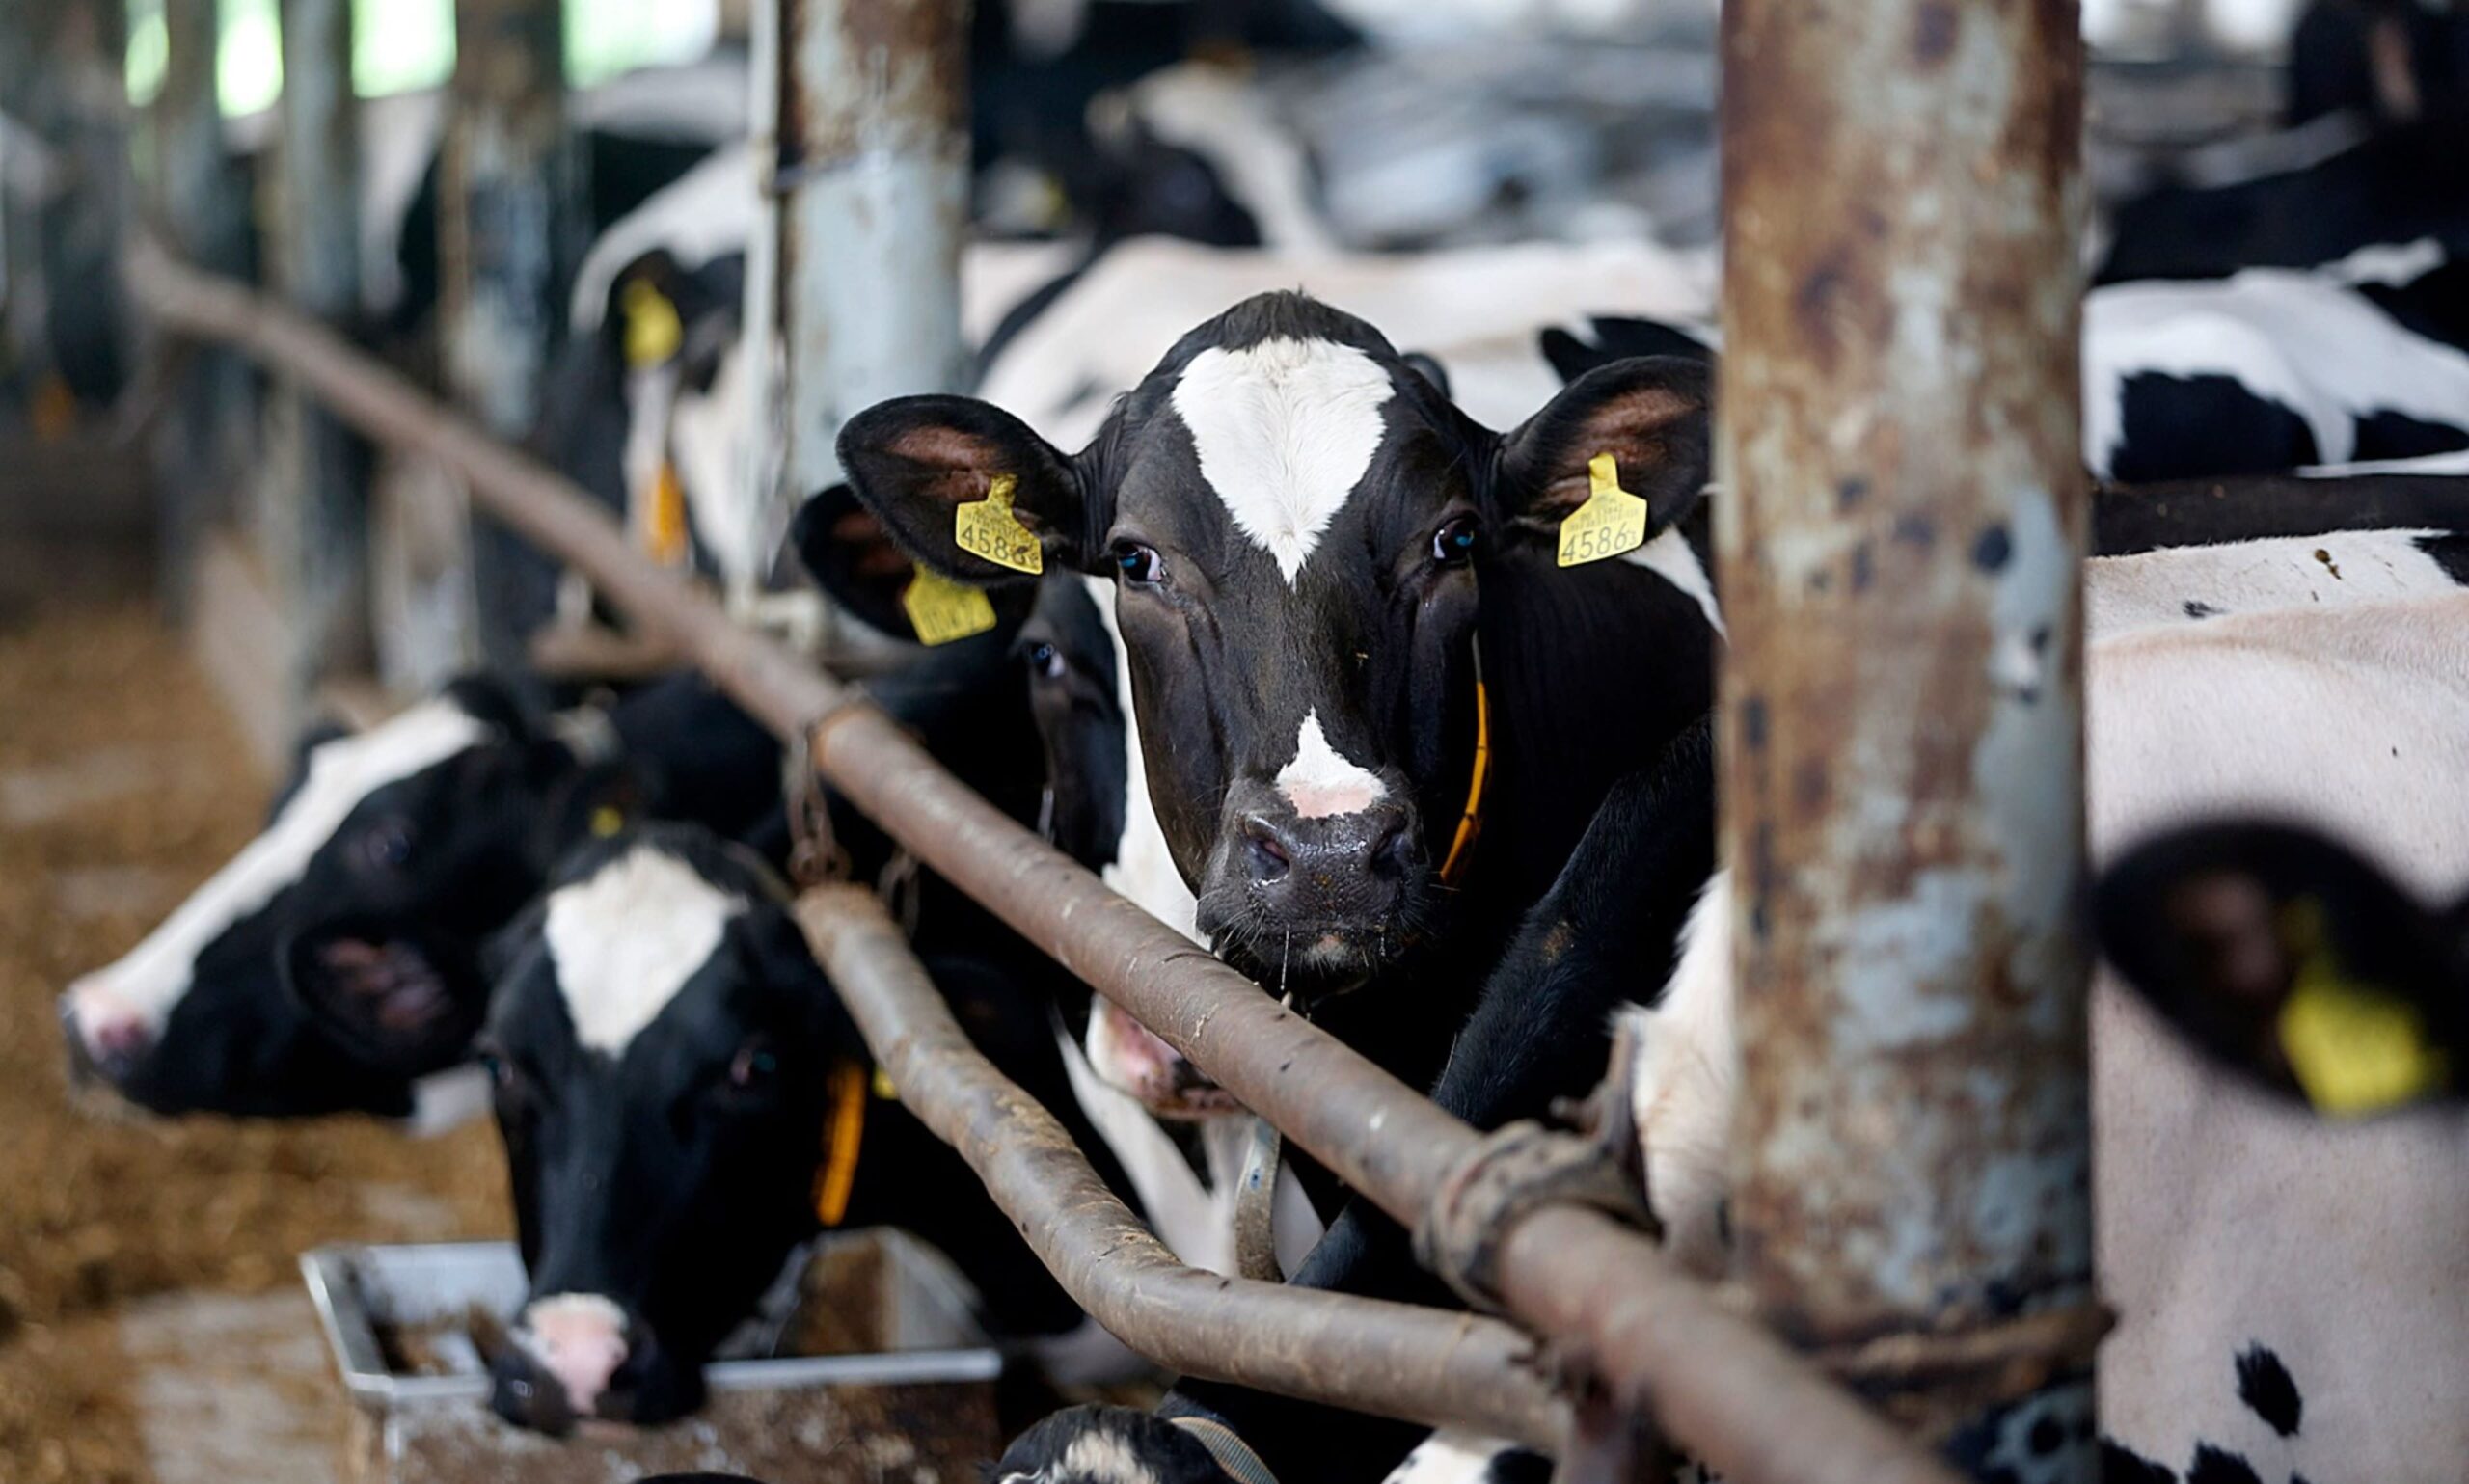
(1900, 561)
(1663, 1347)
(323, 519)
(871, 177)
(1396, 1359)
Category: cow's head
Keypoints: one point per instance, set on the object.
(2295, 962)
(663, 1050)
(334, 961)
(1297, 526)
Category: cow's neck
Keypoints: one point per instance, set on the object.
(1592, 672)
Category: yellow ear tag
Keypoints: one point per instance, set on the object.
(606, 821)
(884, 1087)
(942, 610)
(664, 524)
(986, 527)
(653, 330)
(2353, 1048)
(1610, 522)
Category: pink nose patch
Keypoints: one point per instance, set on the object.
(108, 1026)
(581, 1339)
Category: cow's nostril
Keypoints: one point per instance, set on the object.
(1392, 852)
(1270, 857)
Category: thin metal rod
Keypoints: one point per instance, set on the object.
(1561, 1267)
(1396, 1360)
(1901, 558)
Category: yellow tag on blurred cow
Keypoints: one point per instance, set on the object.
(1610, 522)
(986, 527)
(653, 329)
(942, 610)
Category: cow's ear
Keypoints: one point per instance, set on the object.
(1650, 416)
(590, 801)
(396, 998)
(852, 556)
(918, 462)
(2293, 961)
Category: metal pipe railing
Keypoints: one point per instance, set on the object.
(1723, 1388)
(1423, 1364)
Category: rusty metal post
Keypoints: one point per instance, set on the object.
(871, 179)
(323, 541)
(1900, 553)
(506, 207)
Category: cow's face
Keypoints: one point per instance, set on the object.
(333, 961)
(2295, 963)
(662, 1045)
(1292, 520)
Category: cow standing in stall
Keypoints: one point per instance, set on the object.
(1229, 626)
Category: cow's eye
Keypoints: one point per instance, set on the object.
(1140, 565)
(386, 845)
(1454, 544)
(1045, 661)
(752, 1067)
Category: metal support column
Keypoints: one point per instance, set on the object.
(324, 543)
(506, 208)
(872, 180)
(1901, 541)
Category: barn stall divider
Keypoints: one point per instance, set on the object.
(1914, 1169)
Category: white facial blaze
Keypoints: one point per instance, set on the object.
(1284, 430)
(626, 941)
(150, 978)
(1322, 781)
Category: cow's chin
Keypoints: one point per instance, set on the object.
(1313, 965)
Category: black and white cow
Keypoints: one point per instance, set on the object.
(2263, 372)
(684, 1100)
(935, 455)
(331, 963)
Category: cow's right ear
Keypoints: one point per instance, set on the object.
(2293, 961)
(920, 461)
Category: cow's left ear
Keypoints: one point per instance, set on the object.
(2295, 962)
(966, 488)
(1650, 416)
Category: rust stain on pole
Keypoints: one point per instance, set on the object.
(1900, 563)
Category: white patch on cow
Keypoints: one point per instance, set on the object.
(1450, 1457)
(1684, 1081)
(150, 978)
(2155, 589)
(2318, 348)
(626, 940)
(2456, 462)
(1284, 430)
(1321, 781)
(1672, 558)
(724, 473)
(703, 214)
(1144, 867)
(1217, 114)
(2388, 263)
(1101, 1456)
(1178, 1206)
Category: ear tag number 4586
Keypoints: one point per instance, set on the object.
(1610, 522)
(986, 527)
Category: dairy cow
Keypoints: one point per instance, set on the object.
(333, 962)
(683, 1101)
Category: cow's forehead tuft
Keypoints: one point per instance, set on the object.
(624, 941)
